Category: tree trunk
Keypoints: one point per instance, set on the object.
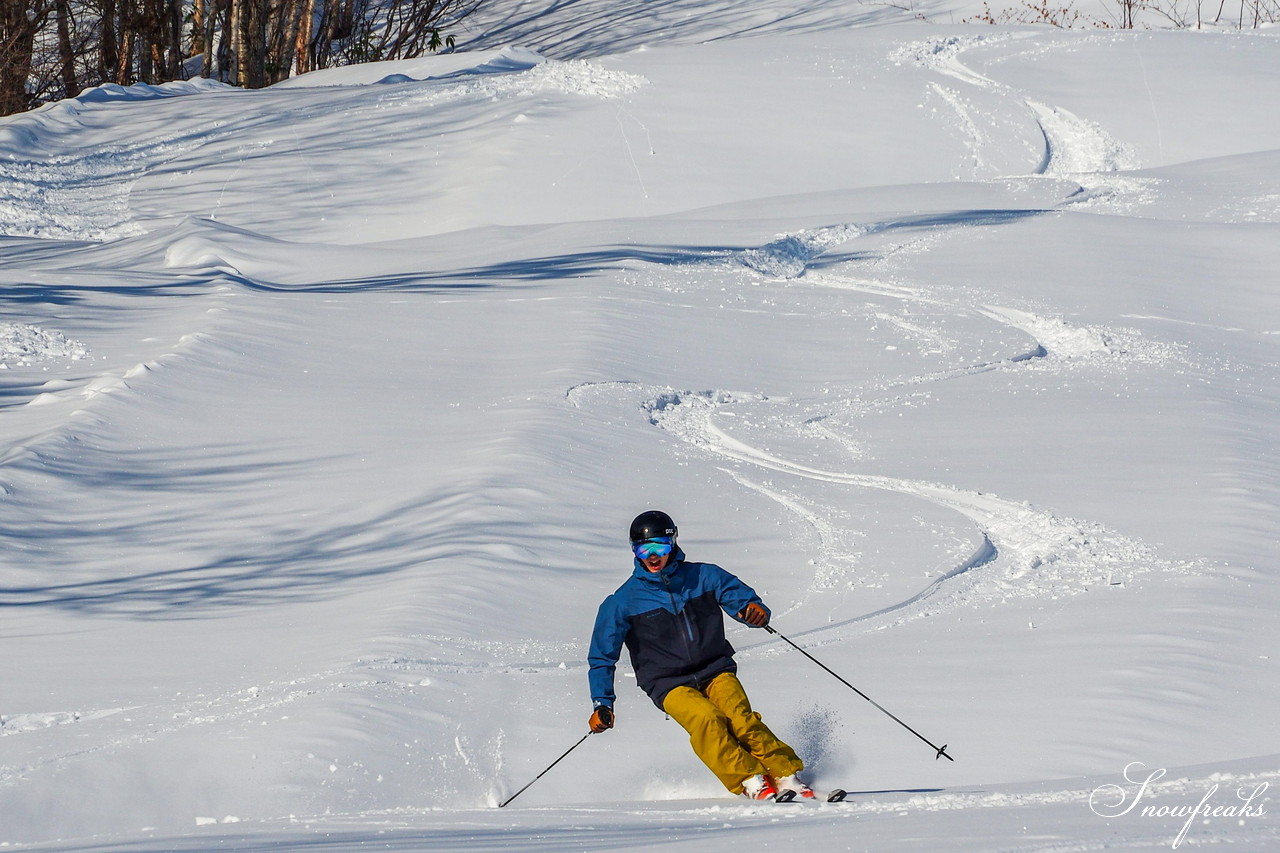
(17, 42)
(302, 38)
(122, 74)
(206, 35)
(236, 26)
(199, 12)
(284, 39)
(175, 51)
(109, 44)
(66, 54)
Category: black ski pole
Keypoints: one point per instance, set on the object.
(549, 766)
(941, 750)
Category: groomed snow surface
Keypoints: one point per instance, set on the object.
(324, 409)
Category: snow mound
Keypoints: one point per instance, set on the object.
(28, 131)
(580, 77)
(418, 69)
(510, 71)
(514, 79)
(1078, 146)
(22, 345)
(935, 52)
(790, 254)
(942, 55)
(1056, 336)
(1063, 341)
(671, 401)
(144, 91)
(14, 724)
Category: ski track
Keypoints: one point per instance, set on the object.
(1074, 147)
(78, 197)
(1025, 552)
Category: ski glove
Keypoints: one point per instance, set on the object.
(754, 615)
(601, 719)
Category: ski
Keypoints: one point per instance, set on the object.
(835, 796)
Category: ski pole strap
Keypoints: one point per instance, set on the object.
(941, 751)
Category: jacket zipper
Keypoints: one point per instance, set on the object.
(684, 617)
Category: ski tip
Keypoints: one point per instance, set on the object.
(785, 796)
(837, 796)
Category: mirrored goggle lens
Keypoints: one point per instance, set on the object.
(654, 548)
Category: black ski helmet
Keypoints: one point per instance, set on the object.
(651, 525)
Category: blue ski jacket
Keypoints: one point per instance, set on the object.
(671, 625)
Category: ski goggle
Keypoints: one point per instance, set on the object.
(658, 547)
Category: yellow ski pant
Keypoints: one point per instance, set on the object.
(727, 735)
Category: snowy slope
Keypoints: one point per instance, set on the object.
(323, 409)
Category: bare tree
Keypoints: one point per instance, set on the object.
(354, 31)
(20, 22)
(51, 49)
(1183, 14)
(66, 48)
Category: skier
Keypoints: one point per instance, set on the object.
(667, 614)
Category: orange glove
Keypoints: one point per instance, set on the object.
(754, 615)
(601, 719)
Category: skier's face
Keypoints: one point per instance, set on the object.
(655, 553)
(656, 563)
